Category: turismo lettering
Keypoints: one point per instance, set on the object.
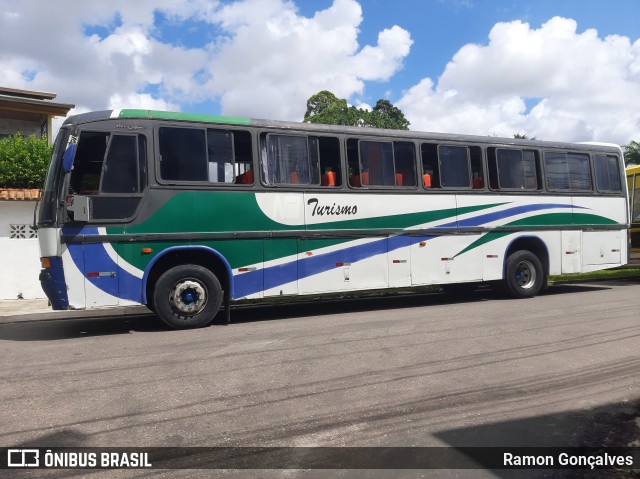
(331, 210)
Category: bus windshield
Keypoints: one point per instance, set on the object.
(51, 192)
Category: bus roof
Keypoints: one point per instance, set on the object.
(335, 129)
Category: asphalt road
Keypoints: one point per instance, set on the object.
(420, 370)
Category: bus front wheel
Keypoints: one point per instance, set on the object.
(523, 275)
(187, 296)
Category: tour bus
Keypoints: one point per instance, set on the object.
(633, 184)
(187, 214)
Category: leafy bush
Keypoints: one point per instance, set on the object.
(23, 161)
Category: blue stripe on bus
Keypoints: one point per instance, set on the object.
(502, 214)
(274, 276)
(90, 257)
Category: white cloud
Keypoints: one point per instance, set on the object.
(276, 59)
(266, 59)
(586, 87)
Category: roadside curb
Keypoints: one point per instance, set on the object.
(32, 310)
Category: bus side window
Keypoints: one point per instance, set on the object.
(330, 164)
(243, 157)
(88, 162)
(430, 169)
(513, 168)
(183, 154)
(229, 156)
(454, 166)
(290, 160)
(376, 162)
(353, 164)
(405, 163)
(110, 169)
(220, 156)
(567, 171)
(607, 174)
(121, 172)
(477, 175)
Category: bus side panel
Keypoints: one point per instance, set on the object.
(350, 266)
(399, 261)
(428, 251)
(280, 267)
(602, 247)
(74, 275)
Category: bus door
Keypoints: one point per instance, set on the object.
(104, 187)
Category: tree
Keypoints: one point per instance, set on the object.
(23, 161)
(325, 108)
(632, 153)
(388, 116)
(523, 136)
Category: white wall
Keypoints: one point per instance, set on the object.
(19, 258)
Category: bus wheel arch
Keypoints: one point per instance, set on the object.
(526, 267)
(191, 271)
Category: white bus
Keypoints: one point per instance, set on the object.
(188, 213)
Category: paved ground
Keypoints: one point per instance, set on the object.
(426, 370)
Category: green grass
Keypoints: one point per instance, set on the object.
(631, 271)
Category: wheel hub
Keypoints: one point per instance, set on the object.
(188, 297)
(525, 274)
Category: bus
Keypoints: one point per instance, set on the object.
(633, 185)
(188, 214)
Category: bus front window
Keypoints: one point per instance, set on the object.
(108, 176)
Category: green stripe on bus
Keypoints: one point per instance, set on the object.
(549, 219)
(178, 116)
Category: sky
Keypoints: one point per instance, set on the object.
(566, 70)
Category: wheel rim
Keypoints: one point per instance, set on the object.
(188, 297)
(525, 274)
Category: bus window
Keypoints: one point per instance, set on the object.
(513, 169)
(183, 154)
(211, 155)
(376, 163)
(220, 156)
(330, 164)
(88, 162)
(477, 175)
(405, 163)
(121, 173)
(430, 169)
(381, 163)
(111, 169)
(607, 174)
(291, 160)
(454, 166)
(567, 171)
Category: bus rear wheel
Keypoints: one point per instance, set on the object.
(523, 275)
(187, 296)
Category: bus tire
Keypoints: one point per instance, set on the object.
(523, 275)
(187, 296)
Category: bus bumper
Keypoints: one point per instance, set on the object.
(53, 284)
